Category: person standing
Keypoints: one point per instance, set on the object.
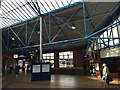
(91, 69)
(105, 74)
(11, 68)
(85, 68)
(16, 71)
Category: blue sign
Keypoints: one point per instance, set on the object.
(86, 56)
(21, 56)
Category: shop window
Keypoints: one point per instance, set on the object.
(66, 59)
(49, 57)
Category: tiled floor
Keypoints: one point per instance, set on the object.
(58, 81)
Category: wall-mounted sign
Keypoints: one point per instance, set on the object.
(21, 56)
(45, 67)
(15, 56)
(26, 60)
(36, 68)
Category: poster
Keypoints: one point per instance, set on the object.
(36, 68)
(96, 66)
(45, 68)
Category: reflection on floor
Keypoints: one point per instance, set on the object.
(58, 81)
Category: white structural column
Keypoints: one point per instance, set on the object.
(0, 59)
(40, 38)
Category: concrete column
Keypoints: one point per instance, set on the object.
(40, 38)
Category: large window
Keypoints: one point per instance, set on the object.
(109, 37)
(49, 57)
(65, 59)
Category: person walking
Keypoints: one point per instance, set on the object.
(85, 68)
(105, 74)
(16, 71)
(91, 69)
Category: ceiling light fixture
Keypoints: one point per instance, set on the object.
(13, 39)
(73, 26)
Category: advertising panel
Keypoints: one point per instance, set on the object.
(36, 68)
(45, 68)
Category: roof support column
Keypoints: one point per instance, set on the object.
(41, 38)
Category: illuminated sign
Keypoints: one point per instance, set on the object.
(21, 56)
(15, 56)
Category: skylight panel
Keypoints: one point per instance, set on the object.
(50, 5)
(60, 4)
(46, 6)
(3, 23)
(6, 20)
(19, 2)
(26, 12)
(18, 14)
(43, 8)
(65, 2)
(32, 12)
(20, 5)
(18, 10)
(55, 4)
(15, 4)
(15, 16)
(8, 17)
(6, 6)
(2, 10)
(23, 13)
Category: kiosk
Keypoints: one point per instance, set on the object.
(40, 71)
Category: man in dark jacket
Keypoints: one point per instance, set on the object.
(16, 71)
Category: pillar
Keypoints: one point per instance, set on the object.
(78, 60)
(56, 62)
(40, 39)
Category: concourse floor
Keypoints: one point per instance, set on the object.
(57, 81)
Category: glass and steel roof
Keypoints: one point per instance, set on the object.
(13, 11)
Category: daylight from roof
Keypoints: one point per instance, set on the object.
(13, 11)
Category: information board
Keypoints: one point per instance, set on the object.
(36, 68)
(45, 68)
